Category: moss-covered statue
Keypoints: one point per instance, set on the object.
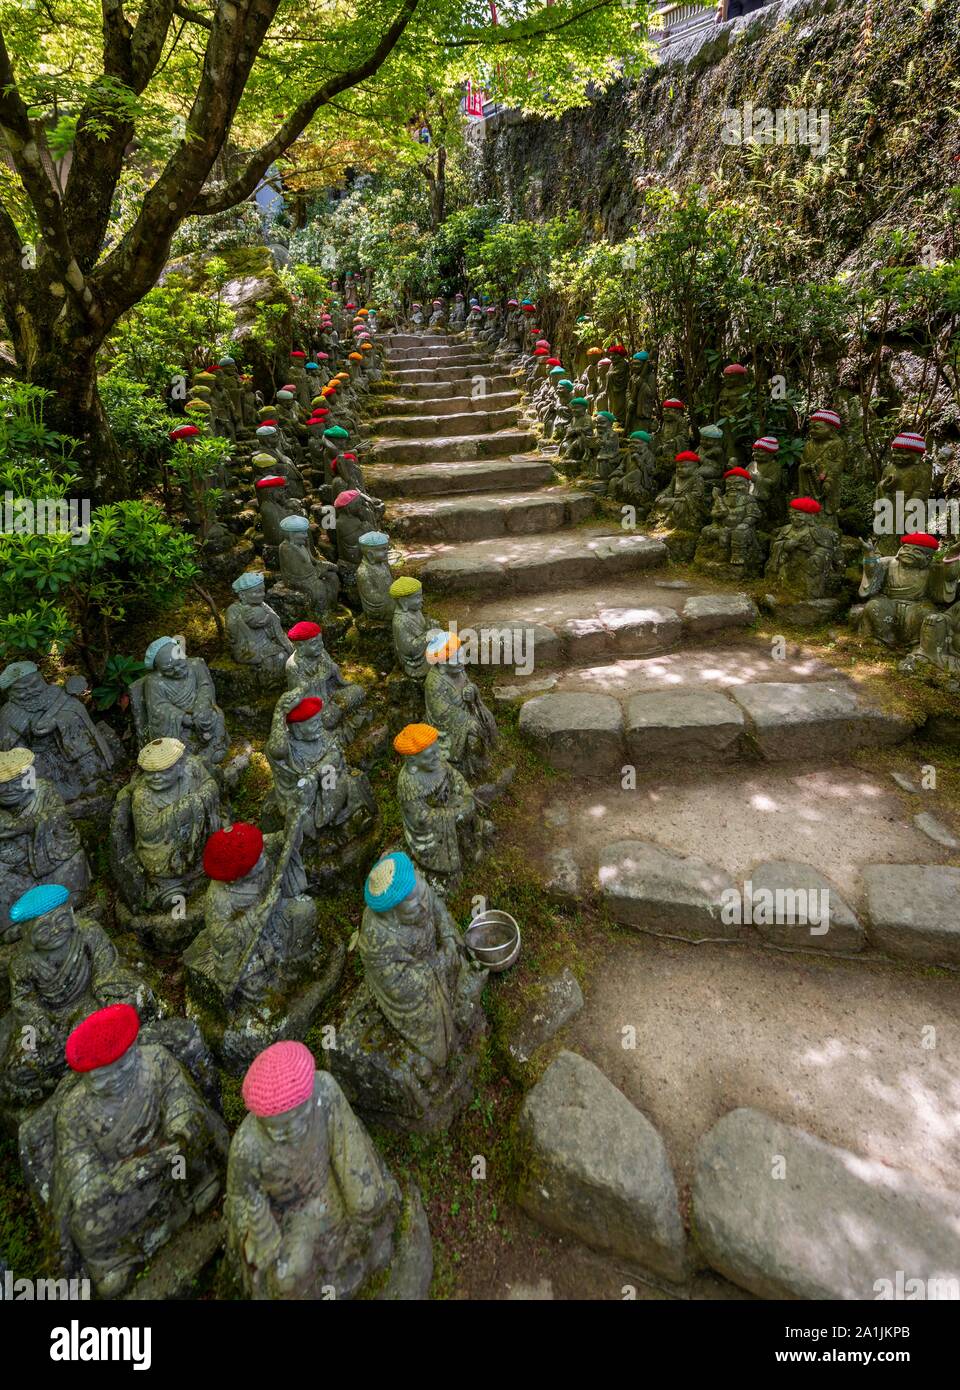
(160, 823)
(374, 578)
(311, 670)
(902, 590)
(733, 409)
(617, 382)
(405, 1053)
(135, 1155)
(608, 451)
(769, 479)
(38, 840)
(255, 633)
(672, 438)
(312, 1211)
(558, 414)
(72, 752)
(806, 557)
(177, 699)
(682, 508)
(641, 409)
(939, 644)
(61, 970)
(578, 450)
(410, 627)
(904, 486)
(712, 451)
(274, 503)
(822, 461)
(443, 821)
(732, 545)
(468, 731)
(635, 479)
(315, 579)
(259, 969)
(313, 782)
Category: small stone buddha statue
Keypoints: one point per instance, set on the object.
(137, 1153)
(308, 574)
(823, 460)
(443, 822)
(634, 481)
(458, 312)
(160, 823)
(311, 777)
(769, 476)
(39, 843)
(255, 633)
(731, 543)
(410, 627)
(682, 508)
(356, 514)
(61, 970)
(733, 408)
(406, 1052)
(712, 451)
(903, 590)
(311, 670)
(578, 450)
(176, 699)
(467, 729)
(275, 504)
(607, 454)
(374, 576)
(907, 479)
(72, 752)
(672, 438)
(641, 406)
(311, 1208)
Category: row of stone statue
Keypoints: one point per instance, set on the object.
(128, 1151)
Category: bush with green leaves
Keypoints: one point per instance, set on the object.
(173, 329)
(517, 257)
(141, 426)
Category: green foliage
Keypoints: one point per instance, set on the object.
(309, 288)
(517, 256)
(119, 673)
(140, 423)
(173, 329)
(194, 462)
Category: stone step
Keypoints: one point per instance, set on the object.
(465, 423)
(612, 622)
(449, 404)
(429, 388)
(438, 479)
(473, 517)
(594, 734)
(457, 371)
(446, 450)
(524, 566)
(442, 355)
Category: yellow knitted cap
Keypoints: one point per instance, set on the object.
(405, 586)
(160, 754)
(14, 763)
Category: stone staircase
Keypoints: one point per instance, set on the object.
(630, 673)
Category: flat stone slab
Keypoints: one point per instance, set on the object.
(422, 426)
(464, 446)
(576, 733)
(447, 404)
(939, 833)
(687, 725)
(704, 613)
(426, 386)
(792, 904)
(659, 891)
(598, 1169)
(532, 563)
(786, 1216)
(549, 1005)
(791, 719)
(914, 911)
(436, 479)
(492, 514)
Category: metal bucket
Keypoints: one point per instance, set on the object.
(493, 939)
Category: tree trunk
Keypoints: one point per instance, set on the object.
(438, 189)
(75, 409)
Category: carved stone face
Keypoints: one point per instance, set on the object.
(162, 779)
(254, 598)
(313, 647)
(15, 792)
(308, 730)
(427, 761)
(411, 603)
(52, 930)
(917, 557)
(115, 1080)
(290, 1127)
(171, 662)
(412, 912)
(820, 431)
(376, 554)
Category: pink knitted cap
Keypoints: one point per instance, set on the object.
(279, 1078)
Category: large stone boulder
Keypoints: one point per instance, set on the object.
(785, 1215)
(597, 1169)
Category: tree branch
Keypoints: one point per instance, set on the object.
(184, 12)
(227, 195)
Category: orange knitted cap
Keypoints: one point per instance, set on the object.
(415, 738)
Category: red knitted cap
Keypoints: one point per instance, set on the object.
(300, 632)
(279, 1079)
(305, 710)
(102, 1038)
(273, 481)
(297, 353)
(806, 504)
(687, 456)
(184, 432)
(921, 538)
(229, 854)
(343, 499)
(737, 473)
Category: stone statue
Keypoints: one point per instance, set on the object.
(438, 318)
(579, 443)
(939, 642)
(769, 479)
(259, 969)
(731, 544)
(38, 841)
(607, 453)
(177, 699)
(458, 312)
(72, 752)
(356, 514)
(672, 438)
(61, 971)
(311, 1209)
(312, 781)
(902, 590)
(374, 577)
(733, 407)
(617, 382)
(410, 627)
(255, 633)
(467, 729)
(635, 480)
(806, 557)
(682, 507)
(712, 451)
(160, 823)
(137, 1153)
(906, 480)
(822, 461)
(316, 579)
(443, 821)
(311, 670)
(641, 394)
(406, 1051)
(275, 505)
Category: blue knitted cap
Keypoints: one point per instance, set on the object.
(371, 539)
(36, 902)
(150, 655)
(250, 579)
(641, 356)
(391, 879)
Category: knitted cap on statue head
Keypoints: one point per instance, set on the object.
(102, 1038)
(279, 1079)
(415, 738)
(390, 881)
(231, 853)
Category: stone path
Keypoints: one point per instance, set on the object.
(694, 760)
